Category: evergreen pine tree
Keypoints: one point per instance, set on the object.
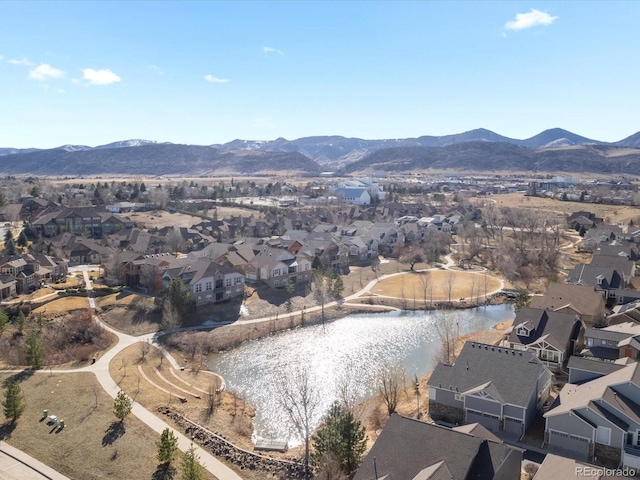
(167, 447)
(13, 403)
(34, 348)
(121, 406)
(191, 467)
(10, 247)
(341, 435)
(22, 239)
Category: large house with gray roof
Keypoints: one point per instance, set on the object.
(598, 421)
(500, 388)
(582, 300)
(553, 336)
(208, 281)
(409, 449)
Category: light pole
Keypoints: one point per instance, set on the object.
(416, 386)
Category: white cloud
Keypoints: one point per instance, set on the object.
(99, 77)
(272, 50)
(212, 79)
(1, 57)
(531, 19)
(44, 72)
(22, 61)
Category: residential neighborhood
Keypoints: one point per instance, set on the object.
(575, 338)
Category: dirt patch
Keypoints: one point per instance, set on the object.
(463, 285)
(164, 219)
(83, 449)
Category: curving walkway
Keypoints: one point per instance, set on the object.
(101, 367)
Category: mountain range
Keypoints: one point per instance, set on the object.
(551, 150)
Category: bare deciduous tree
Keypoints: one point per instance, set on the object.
(145, 348)
(170, 316)
(390, 384)
(114, 269)
(300, 400)
(449, 283)
(214, 395)
(447, 331)
(149, 276)
(426, 286)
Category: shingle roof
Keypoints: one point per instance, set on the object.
(588, 275)
(577, 396)
(620, 264)
(513, 373)
(407, 447)
(554, 326)
(592, 365)
(622, 404)
(584, 300)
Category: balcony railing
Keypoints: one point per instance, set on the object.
(632, 450)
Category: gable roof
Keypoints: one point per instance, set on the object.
(621, 264)
(582, 299)
(513, 374)
(409, 449)
(554, 467)
(593, 365)
(594, 276)
(579, 396)
(555, 327)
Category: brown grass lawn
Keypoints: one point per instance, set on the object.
(131, 320)
(124, 370)
(83, 450)
(41, 292)
(615, 213)
(70, 282)
(237, 428)
(63, 305)
(124, 299)
(409, 286)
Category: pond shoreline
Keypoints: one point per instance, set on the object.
(354, 348)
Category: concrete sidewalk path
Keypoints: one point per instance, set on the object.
(17, 465)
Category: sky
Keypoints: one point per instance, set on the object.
(90, 73)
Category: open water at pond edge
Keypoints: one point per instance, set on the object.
(356, 348)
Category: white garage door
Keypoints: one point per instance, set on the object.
(490, 422)
(572, 445)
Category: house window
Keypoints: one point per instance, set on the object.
(306, 267)
(227, 282)
(208, 286)
(198, 287)
(523, 332)
(458, 397)
(589, 342)
(276, 283)
(604, 342)
(237, 280)
(603, 435)
(432, 393)
(549, 356)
